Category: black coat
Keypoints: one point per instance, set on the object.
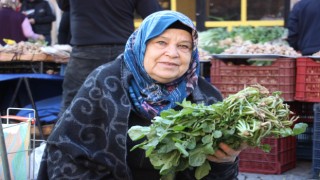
(304, 27)
(105, 22)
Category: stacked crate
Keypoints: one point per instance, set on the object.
(230, 78)
(281, 158)
(308, 80)
(308, 90)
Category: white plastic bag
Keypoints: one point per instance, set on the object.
(35, 160)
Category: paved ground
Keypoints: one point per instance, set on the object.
(303, 171)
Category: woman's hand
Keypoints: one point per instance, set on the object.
(32, 21)
(226, 154)
(41, 37)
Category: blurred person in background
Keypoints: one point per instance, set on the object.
(40, 15)
(15, 25)
(99, 31)
(304, 27)
(64, 33)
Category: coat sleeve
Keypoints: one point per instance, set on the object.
(293, 27)
(88, 141)
(147, 7)
(64, 5)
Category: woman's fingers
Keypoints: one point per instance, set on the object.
(224, 154)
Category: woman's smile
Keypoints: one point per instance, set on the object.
(168, 64)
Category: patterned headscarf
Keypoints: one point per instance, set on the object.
(148, 96)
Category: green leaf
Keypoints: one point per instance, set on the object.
(299, 128)
(167, 145)
(196, 157)
(206, 139)
(168, 113)
(149, 151)
(217, 134)
(181, 149)
(229, 131)
(203, 170)
(285, 132)
(178, 128)
(208, 128)
(266, 148)
(138, 132)
(191, 144)
(170, 161)
(208, 149)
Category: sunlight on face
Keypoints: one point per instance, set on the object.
(168, 55)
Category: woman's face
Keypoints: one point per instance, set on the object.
(168, 55)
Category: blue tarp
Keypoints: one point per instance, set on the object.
(46, 92)
(4, 77)
(48, 109)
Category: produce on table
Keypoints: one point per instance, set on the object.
(316, 54)
(209, 40)
(216, 40)
(259, 34)
(22, 47)
(266, 48)
(180, 139)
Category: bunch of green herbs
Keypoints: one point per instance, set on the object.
(177, 140)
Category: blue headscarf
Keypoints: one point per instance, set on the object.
(148, 96)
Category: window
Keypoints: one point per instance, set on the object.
(224, 10)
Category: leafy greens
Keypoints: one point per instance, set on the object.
(177, 140)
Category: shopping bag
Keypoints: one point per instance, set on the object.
(17, 140)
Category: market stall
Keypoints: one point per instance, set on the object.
(30, 73)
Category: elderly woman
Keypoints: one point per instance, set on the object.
(14, 25)
(159, 67)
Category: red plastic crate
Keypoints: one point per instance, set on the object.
(279, 76)
(308, 80)
(281, 158)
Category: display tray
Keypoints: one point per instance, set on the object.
(313, 57)
(250, 56)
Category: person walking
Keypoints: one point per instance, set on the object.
(64, 34)
(40, 15)
(304, 27)
(15, 25)
(99, 31)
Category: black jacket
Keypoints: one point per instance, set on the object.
(89, 141)
(304, 27)
(42, 14)
(105, 22)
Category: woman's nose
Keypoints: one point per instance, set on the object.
(172, 51)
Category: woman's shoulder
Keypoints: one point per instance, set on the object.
(208, 89)
(110, 69)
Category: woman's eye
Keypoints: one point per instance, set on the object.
(161, 43)
(184, 47)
